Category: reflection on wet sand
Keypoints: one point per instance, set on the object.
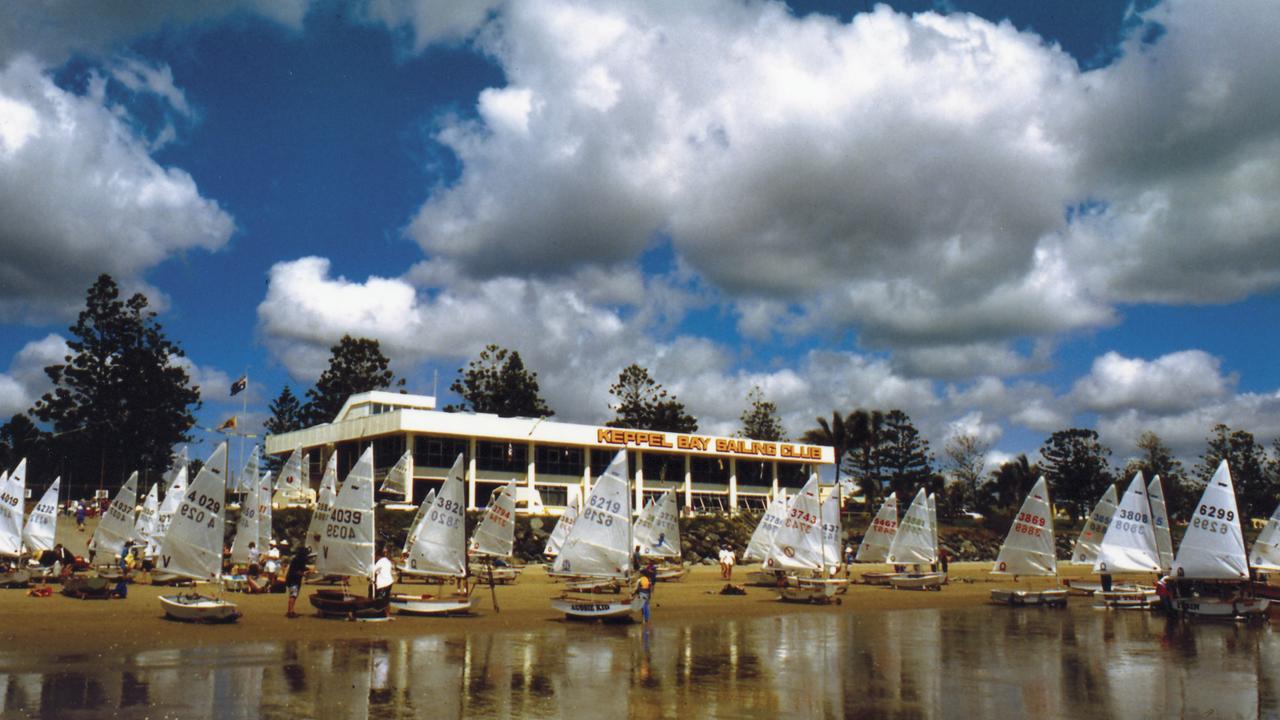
(919, 664)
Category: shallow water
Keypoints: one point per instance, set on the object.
(972, 663)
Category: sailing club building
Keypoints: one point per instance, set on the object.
(553, 463)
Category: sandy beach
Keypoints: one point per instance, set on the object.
(65, 625)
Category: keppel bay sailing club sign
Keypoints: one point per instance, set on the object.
(701, 443)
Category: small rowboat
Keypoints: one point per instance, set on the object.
(432, 604)
(191, 607)
(918, 581)
(1127, 599)
(339, 604)
(819, 591)
(594, 608)
(1055, 597)
(878, 578)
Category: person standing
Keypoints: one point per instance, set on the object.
(644, 591)
(729, 560)
(293, 577)
(80, 512)
(383, 577)
(122, 585)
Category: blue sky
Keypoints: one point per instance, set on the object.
(1003, 217)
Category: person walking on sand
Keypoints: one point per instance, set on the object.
(383, 577)
(293, 578)
(729, 560)
(80, 512)
(644, 591)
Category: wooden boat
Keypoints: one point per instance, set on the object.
(457, 604)
(193, 607)
(1052, 597)
(916, 543)
(341, 604)
(1221, 608)
(918, 581)
(1129, 545)
(1029, 550)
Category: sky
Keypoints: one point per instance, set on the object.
(1004, 218)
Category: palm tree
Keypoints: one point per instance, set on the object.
(833, 434)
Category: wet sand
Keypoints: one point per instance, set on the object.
(60, 624)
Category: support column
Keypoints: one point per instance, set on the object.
(411, 482)
(585, 489)
(639, 501)
(775, 478)
(471, 474)
(688, 484)
(531, 473)
(733, 486)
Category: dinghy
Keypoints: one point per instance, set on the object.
(915, 543)
(411, 537)
(346, 547)
(1211, 572)
(116, 525)
(246, 533)
(292, 488)
(1129, 545)
(1085, 550)
(877, 540)
(13, 492)
(439, 549)
(599, 547)
(657, 533)
(192, 546)
(803, 553)
(399, 477)
(1264, 558)
(492, 543)
(762, 541)
(1028, 550)
(177, 489)
(1160, 524)
(145, 527)
(38, 534)
(561, 531)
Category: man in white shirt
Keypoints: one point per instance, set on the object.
(383, 576)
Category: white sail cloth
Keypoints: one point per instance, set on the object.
(1213, 546)
(496, 533)
(798, 545)
(346, 547)
(38, 534)
(116, 526)
(247, 478)
(762, 537)
(875, 544)
(324, 504)
(561, 531)
(1160, 523)
(440, 543)
(1129, 544)
(829, 521)
(416, 526)
(657, 530)
(292, 485)
(915, 542)
(192, 546)
(397, 480)
(176, 490)
(13, 492)
(1085, 551)
(264, 511)
(145, 527)
(599, 545)
(1029, 549)
(1265, 554)
(247, 529)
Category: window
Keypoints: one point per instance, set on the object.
(438, 452)
(387, 451)
(709, 470)
(557, 495)
(664, 468)
(600, 460)
(558, 460)
(755, 473)
(793, 475)
(502, 457)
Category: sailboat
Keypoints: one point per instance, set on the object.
(176, 490)
(561, 531)
(292, 487)
(346, 547)
(192, 546)
(411, 537)
(38, 534)
(800, 549)
(116, 526)
(877, 540)
(1029, 550)
(1265, 554)
(13, 493)
(762, 542)
(439, 548)
(1129, 545)
(1085, 550)
(398, 477)
(915, 543)
(1211, 572)
(264, 513)
(1160, 523)
(494, 538)
(144, 529)
(324, 504)
(657, 533)
(246, 528)
(599, 547)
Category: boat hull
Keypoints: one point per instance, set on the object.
(765, 578)
(190, 607)
(432, 605)
(338, 604)
(878, 578)
(590, 608)
(87, 588)
(813, 590)
(918, 581)
(671, 573)
(1127, 599)
(1056, 597)
(500, 575)
(17, 579)
(1221, 608)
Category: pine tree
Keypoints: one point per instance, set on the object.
(643, 404)
(119, 401)
(1255, 489)
(286, 413)
(356, 365)
(966, 457)
(760, 420)
(497, 382)
(1158, 459)
(865, 435)
(906, 456)
(20, 438)
(1075, 464)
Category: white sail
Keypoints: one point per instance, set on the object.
(933, 522)
(762, 537)
(172, 499)
(914, 541)
(879, 536)
(661, 529)
(1160, 523)
(116, 526)
(1213, 546)
(1029, 548)
(324, 504)
(13, 498)
(399, 476)
(829, 519)
(38, 535)
(561, 531)
(192, 547)
(416, 526)
(1129, 544)
(248, 475)
(440, 547)
(1265, 554)
(599, 545)
(144, 529)
(1085, 551)
(264, 512)
(246, 528)
(346, 547)
(496, 533)
(797, 546)
(292, 485)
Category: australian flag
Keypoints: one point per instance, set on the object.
(239, 385)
